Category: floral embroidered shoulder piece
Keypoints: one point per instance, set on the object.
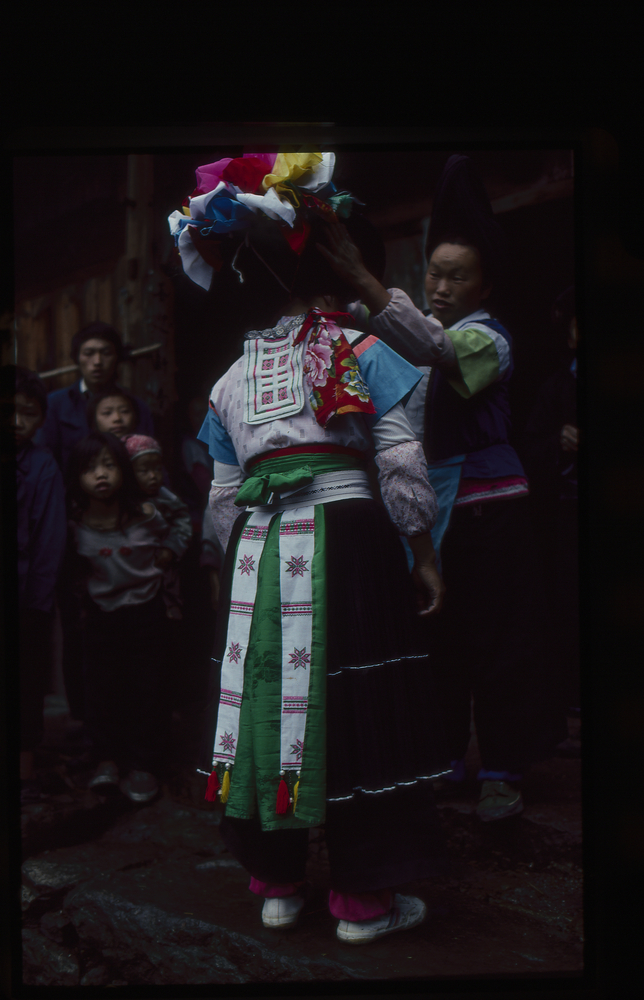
(276, 372)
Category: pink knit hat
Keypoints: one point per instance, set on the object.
(139, 444)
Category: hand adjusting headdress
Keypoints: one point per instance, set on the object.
(234, 195)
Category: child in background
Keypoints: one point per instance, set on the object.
(147, 463)
(113, 411)
(116, 539)
(41, 543)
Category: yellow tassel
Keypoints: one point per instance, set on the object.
(225, 787)
(297, 785)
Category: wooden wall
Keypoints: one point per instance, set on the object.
(131, 293)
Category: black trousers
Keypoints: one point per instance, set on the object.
(70, 619)
(35, 668)
(124, 668)
(494, 639)
(374, 842)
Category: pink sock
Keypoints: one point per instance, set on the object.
(270, 891)
(363, 906)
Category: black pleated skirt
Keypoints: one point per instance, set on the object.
(385, 738)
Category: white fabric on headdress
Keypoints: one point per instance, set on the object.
(199, 204)
(271, 204)
(320, 176)
(193, 263)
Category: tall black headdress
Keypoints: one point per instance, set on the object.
(462, 210)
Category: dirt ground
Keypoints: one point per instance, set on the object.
(114, 894)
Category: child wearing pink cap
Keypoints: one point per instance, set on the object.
(147, 463)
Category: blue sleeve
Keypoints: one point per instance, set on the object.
(214, 434)
(48, 436)
(146, 423)
(390, 378)
(47, 537)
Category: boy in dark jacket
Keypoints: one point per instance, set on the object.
(41, 543)
(97, 350)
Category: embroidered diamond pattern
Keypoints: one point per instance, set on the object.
(227, 741)
(300, 658)
(282, 394)
(297, 566)
(246, 564)
(296, 748)
(267, 397)
(234, 652)
(267, 364)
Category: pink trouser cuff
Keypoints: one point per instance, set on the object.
(361, 907)
(271, 891)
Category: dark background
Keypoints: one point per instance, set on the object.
(69, 216)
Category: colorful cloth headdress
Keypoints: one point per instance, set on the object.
(233, 195)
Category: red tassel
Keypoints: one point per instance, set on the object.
(282, 798)
(212, 787)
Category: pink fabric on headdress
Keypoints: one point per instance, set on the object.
(210, 174)
(140, 444)
(246, 172)
(267, 158)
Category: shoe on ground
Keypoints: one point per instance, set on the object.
(105, 777)
(140, 786)
(407, 912)
(281, 912)
(498, 801)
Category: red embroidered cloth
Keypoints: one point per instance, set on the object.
(331, 368)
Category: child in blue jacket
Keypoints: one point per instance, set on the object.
(41, 535)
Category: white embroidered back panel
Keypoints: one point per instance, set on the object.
(273, 379)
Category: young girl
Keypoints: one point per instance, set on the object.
(113, 411)
(117, 538)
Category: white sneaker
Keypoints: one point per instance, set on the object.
(139, 786)
(407, 912)
(105, 777)
(498, 801)
(282, 911)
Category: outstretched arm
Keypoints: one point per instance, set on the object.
(346, 260)
(393, 318)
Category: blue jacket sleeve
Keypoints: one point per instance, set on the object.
(47, 538)
(214, 434)
(390, 378)
(146, 421)
(49, 436)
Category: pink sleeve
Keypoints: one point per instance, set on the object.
(419, 339)
(405, 488)
(224, 512)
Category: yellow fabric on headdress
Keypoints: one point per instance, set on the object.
(186, 210)
(290, 166)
